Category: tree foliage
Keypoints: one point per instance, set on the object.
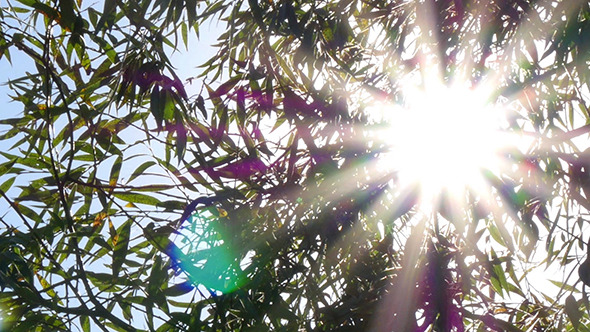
(131, 204)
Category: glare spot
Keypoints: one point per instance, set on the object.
(442, 138)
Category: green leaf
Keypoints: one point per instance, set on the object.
(47, 287)
(115, 171)
(565, 286)
(157, 105)
(140, 169)
(184, 31)
(7, 184)
(85, 323)
(108, 14)
(29, 3)
(121, 247)
(168, 100)
(67, 15)
(495, 233)
(105, 281)
(137, 198)
(157, 279)
(26, 211)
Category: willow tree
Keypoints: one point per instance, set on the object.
(345, 165)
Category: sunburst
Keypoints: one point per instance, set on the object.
(444, 137)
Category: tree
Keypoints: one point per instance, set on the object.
(256, 204)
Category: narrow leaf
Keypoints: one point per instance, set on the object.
(121, 248)
(137, 198)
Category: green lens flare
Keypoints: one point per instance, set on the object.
(206, 256)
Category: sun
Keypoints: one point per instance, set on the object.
(443, 138)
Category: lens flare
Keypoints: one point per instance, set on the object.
(203, 252)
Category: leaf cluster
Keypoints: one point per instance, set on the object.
(254, 204)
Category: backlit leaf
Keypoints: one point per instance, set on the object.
(121, 247)
(137, 198)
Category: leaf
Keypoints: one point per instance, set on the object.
(191, 11)
(495, 233)
(115, 171)
(105, 282)
(99, 219)
(179, 289)
(47, 286)
(7, 184)
(137, 198)
(157, 278)
(501, 277)
(200, 103)
(222, 213)
(26, 211)
(222, 126)
(167, 99)
(28, 3)
(224, 88)
(157, 105)
(108, 15)
(503, 232)
(184, 31)
(67, 15)
(241, 106)
(562, 285)
(121, 247)
(573, 311)
(180, 141)
(140, 169)
(282, 310)
(256, 11)
(85, 323)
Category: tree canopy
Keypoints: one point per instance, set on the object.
(252, 195)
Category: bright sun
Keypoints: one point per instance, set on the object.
(443, 138)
